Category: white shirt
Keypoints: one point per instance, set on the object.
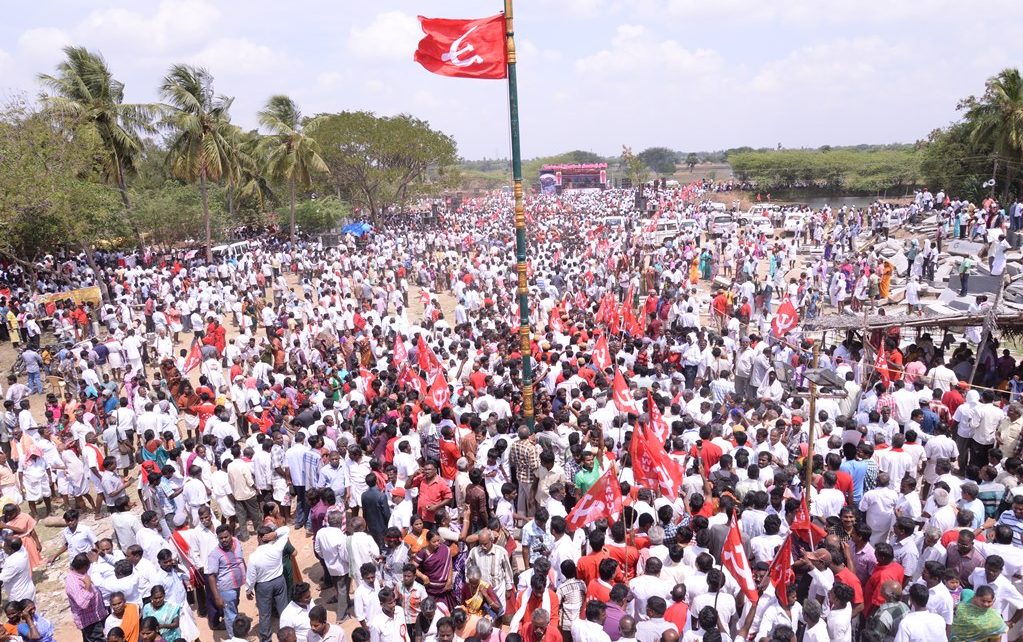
(331, 544)
(297, 617)
(264, 564)
(921, 626)
(586, 631)
(17, 577)
(389, 629)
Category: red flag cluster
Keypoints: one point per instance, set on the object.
(652, 467)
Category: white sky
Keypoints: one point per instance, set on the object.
(594, 74)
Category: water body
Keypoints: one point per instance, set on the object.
(817, 202)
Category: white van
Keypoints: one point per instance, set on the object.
(659, 233)
(230, 251)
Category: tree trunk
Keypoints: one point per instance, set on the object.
(90, 258)
(206, 215)
(291, 213)
(122, 187)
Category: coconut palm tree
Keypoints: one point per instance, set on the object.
(291, 156)
(86, 93)
(200, 126)
(249, 177)
(997, 119)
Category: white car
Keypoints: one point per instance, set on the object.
(721, 224)
(793, 221)
(761, 225)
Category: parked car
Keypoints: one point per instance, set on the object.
(761, 225)
(721, 224)
(793, 221)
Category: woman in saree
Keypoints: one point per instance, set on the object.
(705, 265)
(694, 271)
(978, 620)
(416, 537)
(167, 615)
(24, 528)
(478, 597)
(124, 615)
(885, 286)
(436, 569)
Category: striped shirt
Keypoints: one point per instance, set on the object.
(1015, 523)
(86, 603)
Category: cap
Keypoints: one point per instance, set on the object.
(964, 385)
(398, 492)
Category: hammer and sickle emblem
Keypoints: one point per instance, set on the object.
(455, 53)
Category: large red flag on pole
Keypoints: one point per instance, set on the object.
(194, 357)
(601, 354)
(602, 500)
(804, 527)
(623, 396)
(785, 319)
(658, 425)
(400, 353)
(733, 558)
(464, 48)
(781, 572)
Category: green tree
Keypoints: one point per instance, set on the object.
(382, 161)
(996, 120)
(200, 125)
(952, 160)
(691, 160)
(291, 156)
(84, 92)
(52, 189)
(660, 160)
(321, 214)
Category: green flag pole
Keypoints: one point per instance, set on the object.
(520, 222)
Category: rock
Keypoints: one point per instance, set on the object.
(964, 248)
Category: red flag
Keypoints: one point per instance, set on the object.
(733, 558)
(652, 467)
(804, 527)
(555, 319)
(601, 354)
(623, 396)
(428, 361)
(781, 572)
(400, 353)
(785, 319)
(439, 395)
(463, 48)
(603, 499)
(658, 425)
(194, 357)
(881, 367)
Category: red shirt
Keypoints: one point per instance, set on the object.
(626, 556)
(586, 568)
(597, 590)
(846, 576)
(552, 634)
(950, 537)
(678, 614)
(709, 452)
(843, 482)
(431, 493)
(449, 454)
(872, 591)
(952, 400)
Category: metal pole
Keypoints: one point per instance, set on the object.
(520, 221)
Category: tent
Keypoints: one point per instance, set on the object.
(357, 229)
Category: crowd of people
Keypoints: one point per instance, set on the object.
(277, 429)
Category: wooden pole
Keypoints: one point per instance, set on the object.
(989, 322)
(813, 422)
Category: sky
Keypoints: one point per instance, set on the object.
(593, 74)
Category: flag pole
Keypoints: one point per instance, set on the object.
(520, 221)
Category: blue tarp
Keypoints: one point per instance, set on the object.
(357, 229)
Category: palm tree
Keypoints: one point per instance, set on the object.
(291, 156)
(997, 119)
(249, 176)
(85, 92)
(200, 148)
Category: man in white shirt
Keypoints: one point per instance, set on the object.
(920, 625)
(591, 629)
(16, 574)
(331, 546)
(389, 624)
(264, 579)
(296, 613)
(879, 505)
(648, 585)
